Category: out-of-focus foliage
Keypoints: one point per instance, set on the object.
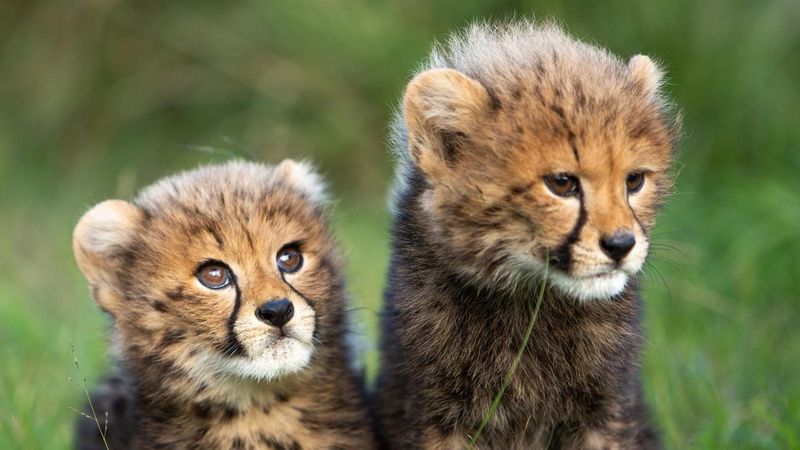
(101, 97)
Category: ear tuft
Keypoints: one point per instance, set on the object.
(303, 177)
(101, 234)
(645, 72)
(441, 106)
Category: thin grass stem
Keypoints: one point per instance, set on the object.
(473, 440)
(101, 429)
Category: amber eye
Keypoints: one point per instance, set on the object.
(563, 184)
(634, 181)
(214, 275)
(289, 259)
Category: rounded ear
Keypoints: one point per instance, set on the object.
(646, 73)
(302, 176)
(102, 235)
(441, 107)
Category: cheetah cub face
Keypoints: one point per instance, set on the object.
(222, 271)
(561, 161)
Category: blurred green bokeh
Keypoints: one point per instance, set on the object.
(101, 97)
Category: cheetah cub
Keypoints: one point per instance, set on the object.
(522, 152)
(228, 309)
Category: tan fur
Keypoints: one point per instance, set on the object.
(497, 112)
(492, 132)
(176, 340)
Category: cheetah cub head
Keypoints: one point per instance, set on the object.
(221, 271)
(535, 146)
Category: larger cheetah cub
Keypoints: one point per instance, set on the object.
(522, 151)
(228, 311)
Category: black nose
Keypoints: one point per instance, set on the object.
(276, 312)
(618, 244)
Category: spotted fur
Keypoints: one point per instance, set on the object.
(494, 113)
(198, 369)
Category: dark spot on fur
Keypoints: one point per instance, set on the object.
(580, 96)
(249, 239)
(272, 442)
(202, 409)
(213, 231)
(172, 337)
(452, 142)
(521, 189)
(494, 101)
(640, 129)
(229, 414)
(559, 111)
(573, 145)
(159, 306)
(176, 294)
(237, 443)
(492, 210)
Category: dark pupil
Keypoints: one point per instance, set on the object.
(289, 259)
(562, 181)
(214, 275)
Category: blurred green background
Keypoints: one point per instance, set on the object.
(99, 98)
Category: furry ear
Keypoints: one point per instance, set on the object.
(645, 72)
(441, 106)
(101, 236)
(302, 176)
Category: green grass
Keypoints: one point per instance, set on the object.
(99, 98)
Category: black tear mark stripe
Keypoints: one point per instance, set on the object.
(232, 346)
(310, 302)
(562, 256)
(635, 217)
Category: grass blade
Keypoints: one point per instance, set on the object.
(473, 440)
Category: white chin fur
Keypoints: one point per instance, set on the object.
(590, 288)
(284, 357)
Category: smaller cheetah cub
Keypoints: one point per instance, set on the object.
(228, 307)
